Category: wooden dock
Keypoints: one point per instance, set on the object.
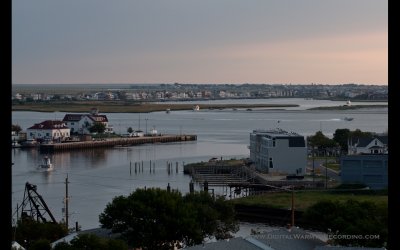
(220, 174)
(128, 141)
(243, 180)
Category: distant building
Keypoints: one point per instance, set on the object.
(17, 96)
(80, 123)
(138, 133)
(375, 145)
(48, 130)
(153, 131)
(370, 170)
(278, 151)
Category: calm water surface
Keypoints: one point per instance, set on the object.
(97, 175)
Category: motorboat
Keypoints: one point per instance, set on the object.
(46, 164)
(348, 118)
(168, 111)
(196, 108)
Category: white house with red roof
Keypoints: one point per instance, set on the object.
(48, 130)
(80, 123)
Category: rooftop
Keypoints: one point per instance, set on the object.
(49, 124)
(275, 132)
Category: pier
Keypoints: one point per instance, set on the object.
(128, 141)
(244, 180)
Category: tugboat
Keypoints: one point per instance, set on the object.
(46, 165)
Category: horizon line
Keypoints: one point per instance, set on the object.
(201, 83)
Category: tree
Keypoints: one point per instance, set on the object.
(160, 219)
(215, 216)
(28, 231)
(41, 244)
(97, 127)
(130, 130)
(360, 134)
(351, 218)
(16, 128)
(320, 141)
(341, 136)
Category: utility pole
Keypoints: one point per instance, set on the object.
(313, 165)
(326, 170)
(139, 121)
(292, 206)
(146, 125)
(66, 201)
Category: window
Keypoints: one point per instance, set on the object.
(271, 165)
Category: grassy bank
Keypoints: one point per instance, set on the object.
(305, 199)
(129, 107)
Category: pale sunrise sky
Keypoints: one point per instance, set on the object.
(202, 41)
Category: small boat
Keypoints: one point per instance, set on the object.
(15, 144)
(196, 108)
(46, 165)
(348, 103)
(348, 118)
(167, 111)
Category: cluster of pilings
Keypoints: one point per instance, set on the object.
(139, 167)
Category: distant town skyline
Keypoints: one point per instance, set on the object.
(196, 42)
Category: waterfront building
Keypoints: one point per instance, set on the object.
(364, 145)
(368, 169)
(80, 123)
(278, 151)
(51, 130)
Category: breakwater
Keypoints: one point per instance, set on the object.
(129, 141)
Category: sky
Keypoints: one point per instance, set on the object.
(200, 41)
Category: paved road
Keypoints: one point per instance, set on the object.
(319, 168)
